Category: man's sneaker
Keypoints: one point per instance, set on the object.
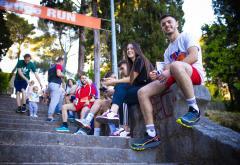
(24, 109)
(121, 133)
(62, 128)
(146, 143)
(83, 123)
(125, 134)
(81, 131)
(35, 115)
(50, 119)
(19, 110)
(190, 118)
(108, 117)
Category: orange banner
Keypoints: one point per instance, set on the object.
(51, 14)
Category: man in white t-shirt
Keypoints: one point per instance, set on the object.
(183, 65)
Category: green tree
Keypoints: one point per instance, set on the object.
(5, 41)
(67, 33)
(138, 20)
(44, 46)
(19, 29)
(221, 47)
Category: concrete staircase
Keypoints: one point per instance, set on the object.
(34, 141)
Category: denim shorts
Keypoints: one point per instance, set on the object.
(20, 84)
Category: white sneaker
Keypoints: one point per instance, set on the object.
(35, 115)
(83, 123)
(124, 134)
(108, 117)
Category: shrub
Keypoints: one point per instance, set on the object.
(4, 82)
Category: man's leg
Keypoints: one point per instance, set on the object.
(119, 95)
(84, 112)
(19, 86)
(23, 100)
(65, 108)
(182, 72)
(185, 76)
(144, 96)
(18, 99)
(85, 121)
(55, 94)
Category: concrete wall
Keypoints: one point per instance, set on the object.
(205, 143)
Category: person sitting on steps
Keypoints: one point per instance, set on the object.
(83, 102)
(183, 65)
(101, 105)
(127, 88)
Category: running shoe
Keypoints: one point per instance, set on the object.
(108, 117)
(190, 118)
(24, 109)
(81, 131)
(83, 123)
(147, 142)
(62, 128)
(19, 110)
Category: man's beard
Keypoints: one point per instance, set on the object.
(169, 33)
(84, 82)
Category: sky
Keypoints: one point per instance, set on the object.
(196, 14)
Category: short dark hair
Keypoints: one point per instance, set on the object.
(108, 74)
(81, 73)
(166, 15)
(122, 62)
(27, 56)
(59, 59)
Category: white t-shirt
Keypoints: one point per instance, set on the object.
(33, 97)
(177, 50)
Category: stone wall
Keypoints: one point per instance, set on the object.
(205, 143)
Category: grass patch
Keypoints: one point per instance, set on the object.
(225, 118)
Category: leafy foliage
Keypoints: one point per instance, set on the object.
(4, 81)
(221, 47)
(65, 33)
(139, 21)
(5, 41)
(19, 28)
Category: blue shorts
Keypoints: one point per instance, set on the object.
(20, 84)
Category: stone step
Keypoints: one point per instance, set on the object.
(23, 116)
(29, 120)
(13, 111)
(83, 163)
(32, 127)
(16, 137)
(71, 154)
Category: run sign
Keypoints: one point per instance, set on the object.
(50, 13)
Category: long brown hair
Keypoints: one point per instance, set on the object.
(138, 54)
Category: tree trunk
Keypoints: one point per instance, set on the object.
(96, 49)
(82, 40)
(81, 51)
(18, 57)
(65, 61)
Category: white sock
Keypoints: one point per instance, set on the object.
(192, 103)
(97, 131)
(151, 130)
(89, 117)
